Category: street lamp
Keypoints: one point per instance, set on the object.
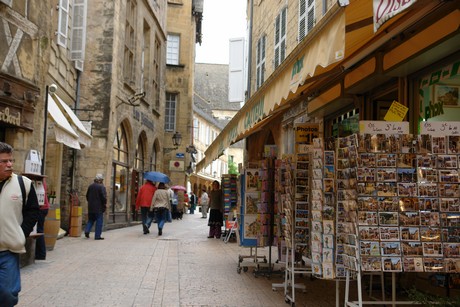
(177, 140)
(49, 90)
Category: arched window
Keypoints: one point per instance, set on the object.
(120, 172)
(140, 154)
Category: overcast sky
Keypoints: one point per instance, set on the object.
(222, 20)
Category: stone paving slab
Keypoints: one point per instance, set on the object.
(181, 268)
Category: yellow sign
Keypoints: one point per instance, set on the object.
(305, 133)
(396, 113)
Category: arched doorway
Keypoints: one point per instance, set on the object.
(118, 207)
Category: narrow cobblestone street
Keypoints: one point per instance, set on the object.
(181, 268)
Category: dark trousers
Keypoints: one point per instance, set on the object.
(40, 247)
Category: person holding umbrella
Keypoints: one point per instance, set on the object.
(160, 206)
(143, 201)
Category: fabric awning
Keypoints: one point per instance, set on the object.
(313, 57)
(84, 137)
(62, 129)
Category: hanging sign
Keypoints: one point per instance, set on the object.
(306, 132)
(440, 128)
(381, 127)
(396, 113)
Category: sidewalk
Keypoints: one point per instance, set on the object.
(181, 268)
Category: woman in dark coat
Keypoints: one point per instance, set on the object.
(216, 213)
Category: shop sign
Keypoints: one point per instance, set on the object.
(384, 10)
(305, 133)
(176, 166)
(295, 73)
(254, 115)
(440, 128)
(7, 117)
(381, 127)
(442, 74)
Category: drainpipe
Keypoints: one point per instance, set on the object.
(250, 51)
(74, 151)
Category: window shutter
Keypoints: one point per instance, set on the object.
(63, 23)
(77, 51)
(7, 2)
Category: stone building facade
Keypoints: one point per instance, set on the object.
(183, 32)
(122, 95)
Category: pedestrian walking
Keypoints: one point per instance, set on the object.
(192, 202)
(204, 202)
(143, 201)
(216, 214)
(40, 245)
(174, 203)
(96, 196)
(160, 206)
(20, 209)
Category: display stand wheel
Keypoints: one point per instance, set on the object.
(238, 270)
(245, 269)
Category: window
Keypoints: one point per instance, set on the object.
(280, 37)
(145, 60)
(63, 23)
(77, 49)
(170, 112)
(306, 17)
(156, 73)
(260, 62)
(196, 128)
(173, 45)
(128, 65)
(140, 150)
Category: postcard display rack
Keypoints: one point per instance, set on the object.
(255, 219)
(229, 188)
(406, 215)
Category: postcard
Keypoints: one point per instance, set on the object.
(366, 188)
(369, 248)
(448, 176)
(432, 249)
(329, 171)
(389, 204)
(438, 144)
(413, 264)
(409, 204)
(328, 271)
(453, 142)
(407, 175)
(430, 234)
(391, 264)
(450, 219)
(317, 184)
(428, 218)
(389, 233)
(328, 227)
(433, 264)
(329, 185)
(329, 157)
(317, 163)
(447, 161)
(451, 250)
(386, 174)
(425, 143)
(386, 160)
(451, 264)
(371, 264)
(406, 160)
(430, 204)
(412, 248)
(316, 269)
(328, 255)
(409, 218)
(388, 218)
(428, 189)
(387, 189)
(316, 257)
(366, 203)
(316, 226)
(450, 204)
(369, 233)
(426, 160)
(449, 190)
(366, 160)
(426, 174)
(366, 174)
(410, 233)
(451, 234)
(407, 189)
(318, 143)
(390, 248)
